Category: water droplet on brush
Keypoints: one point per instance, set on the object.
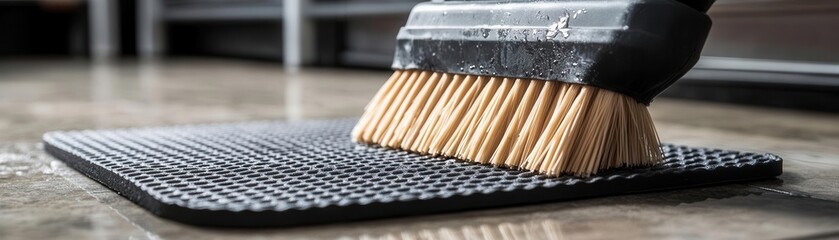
(578, 12)
(471, 67)
(461, 69)
(574, 64)
(560, 26)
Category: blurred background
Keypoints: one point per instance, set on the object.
(106, 57)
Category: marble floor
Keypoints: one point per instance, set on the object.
(41, 198)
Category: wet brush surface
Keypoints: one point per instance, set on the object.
(276, 173)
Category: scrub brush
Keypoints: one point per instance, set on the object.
(554, 87)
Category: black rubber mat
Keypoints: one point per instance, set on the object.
(275, 173)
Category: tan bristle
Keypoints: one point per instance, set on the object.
(548, 127)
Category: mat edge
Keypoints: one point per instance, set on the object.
(267, 218)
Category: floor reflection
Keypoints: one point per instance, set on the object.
(148, 76)
(293, 96)
(102, 77)
(535, 229)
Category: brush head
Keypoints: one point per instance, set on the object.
(634, 47)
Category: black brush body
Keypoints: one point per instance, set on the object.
(634, 47)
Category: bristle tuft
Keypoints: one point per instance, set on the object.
(548, 127)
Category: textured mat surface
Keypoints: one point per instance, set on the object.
(274, 174)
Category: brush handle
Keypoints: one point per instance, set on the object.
(699, 5)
